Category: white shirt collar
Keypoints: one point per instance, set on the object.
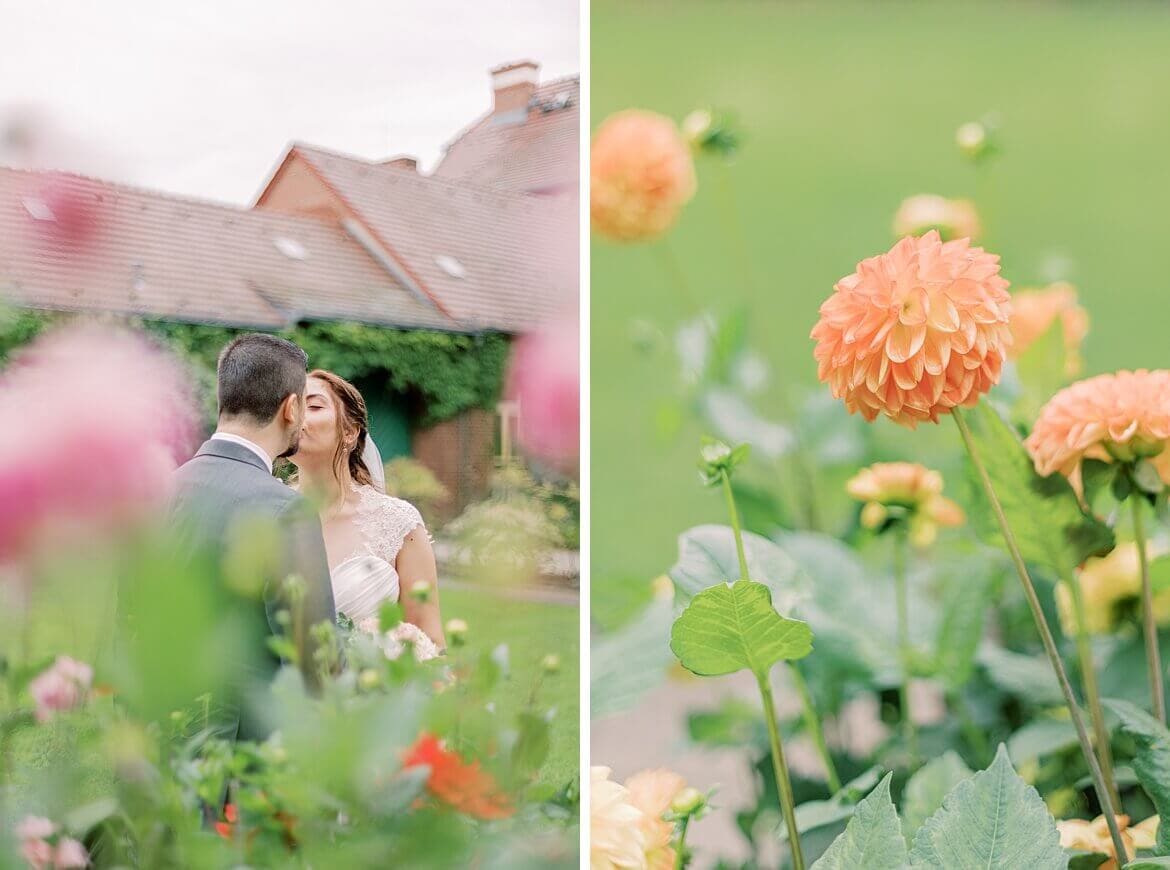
(244, 442)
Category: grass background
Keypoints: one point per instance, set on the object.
(847, 108)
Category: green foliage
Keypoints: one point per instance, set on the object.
(1045, 517)
(993, 820)
(1151, 763)
(409, 479)
(872, 839)
(732, 628)
(19, 326)
(928, 787)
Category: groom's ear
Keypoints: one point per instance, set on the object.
(290, 407)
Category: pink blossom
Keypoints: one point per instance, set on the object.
(96, 417)
(545, 378)
(62, 687)
(70, 853)
(34, 832)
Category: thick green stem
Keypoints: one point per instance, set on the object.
(1092, 693)
(780, 769)
(734, 514)
(1103, 795)
(812, 723)
(680, 849)
(1149, 626)
(904, 651)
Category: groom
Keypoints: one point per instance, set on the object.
(228, 486)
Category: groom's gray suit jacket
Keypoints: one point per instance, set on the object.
(223, 488)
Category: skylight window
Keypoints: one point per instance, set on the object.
(291, 248)
(451, 266)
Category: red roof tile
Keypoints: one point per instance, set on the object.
(540, 155)
(492, 258)
(159, 256)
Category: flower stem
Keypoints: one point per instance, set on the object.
(734, 514)
(734, 227)
(812, 723)
(678, 277)
(904, 638)
(680, 850)
(1103, 796)
(780, 770)
(1092, 693)
(1149, 626)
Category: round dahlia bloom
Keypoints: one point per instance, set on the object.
(915, 332)
(1034, 312)
(953, 218)
(653, 791)
(1108, 583)
(616, 839)
(908, 486)
(1118, 417)
(641, 175)
(1094, 837)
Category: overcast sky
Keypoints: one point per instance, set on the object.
(201, 98)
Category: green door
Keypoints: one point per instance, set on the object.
(389, 418)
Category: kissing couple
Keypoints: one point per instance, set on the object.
(351, 547)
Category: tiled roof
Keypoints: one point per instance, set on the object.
(492, 258)
(537, 156)
(165, 257)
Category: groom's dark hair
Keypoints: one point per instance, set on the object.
(255, 373)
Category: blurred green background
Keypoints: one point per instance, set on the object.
(847, 108)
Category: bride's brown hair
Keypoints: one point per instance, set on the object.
(351, 413)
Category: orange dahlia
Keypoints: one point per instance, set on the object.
(908, 486)
(915, 332)
(641, 175)
(1034, 312)
(462, 786)
(1120, 417)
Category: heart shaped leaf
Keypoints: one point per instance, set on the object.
(729, 628)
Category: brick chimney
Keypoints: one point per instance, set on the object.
(513, 85)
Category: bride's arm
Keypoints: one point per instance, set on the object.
(416, 562)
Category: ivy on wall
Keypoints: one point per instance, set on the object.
(450, 373)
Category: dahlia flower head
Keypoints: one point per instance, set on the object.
(915, 332)
(952, 218)
(1035, 311)
(911, 487)
(641, 175)
(616, 838)
(1120, 417)
(1094, 836)
(1107, 583)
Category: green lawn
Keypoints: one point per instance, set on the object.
(531, 630)
(847, 108)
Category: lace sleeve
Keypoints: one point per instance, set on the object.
(385, 522)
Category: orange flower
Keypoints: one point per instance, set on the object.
(231, 817)
(1034, 312)
(953, 218)
(908, 485)
(652, 791)
(641, 175)
(462, 786)
(1094, 837)
(1115, 418)
(915, 332)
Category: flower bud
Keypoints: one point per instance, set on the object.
(688, 802)
(696, 126)
(420, 591)
(369, 679)
(456, 632)
(873, 514)
(663, 588)
(972, 139)
(551, 664)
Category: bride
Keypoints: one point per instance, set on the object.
(376, 544)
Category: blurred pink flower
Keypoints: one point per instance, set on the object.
(62, 687)
(96, 418)
(65, 211)
(641, 175)
(915, 332)
(70, 853)
(545, 378)
(34, 832)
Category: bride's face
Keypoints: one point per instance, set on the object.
(319, 434)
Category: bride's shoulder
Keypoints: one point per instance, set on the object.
(390, 506)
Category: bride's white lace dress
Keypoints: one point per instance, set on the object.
(367, 578)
